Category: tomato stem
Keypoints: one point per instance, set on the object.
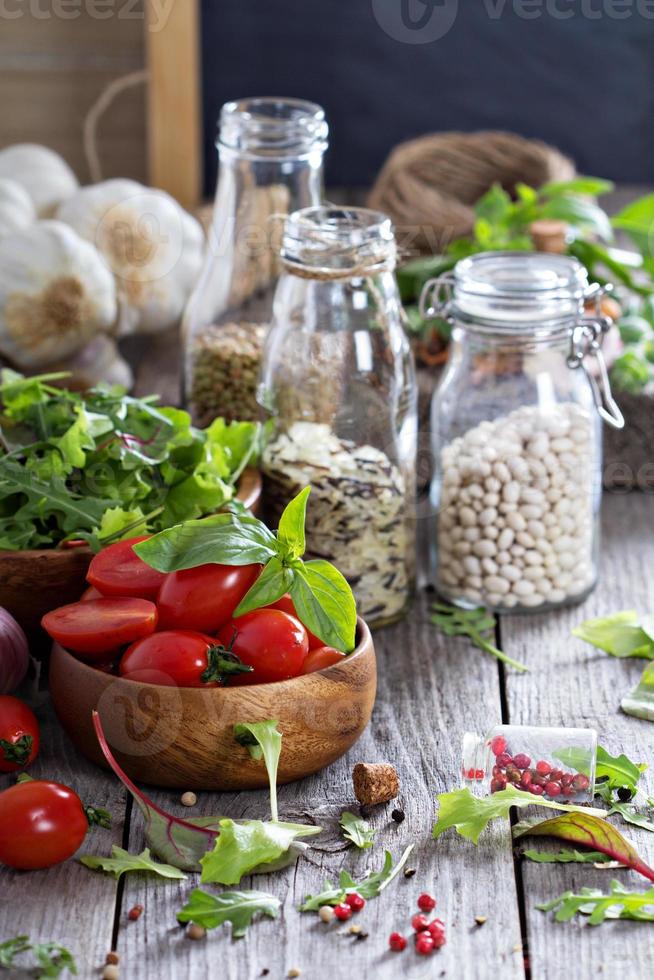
(222, 664)
(18, 751)
(97, 817)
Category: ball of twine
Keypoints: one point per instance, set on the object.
(429, 185)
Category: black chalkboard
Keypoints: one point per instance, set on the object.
(576, 73)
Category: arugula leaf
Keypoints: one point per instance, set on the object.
(290, 532)
(619, 634)
(369, 887)
(51, 958)
(630, 815)
(618, 904)
(476, 624)
(616, 772)
(470, 815)
(242, 848)
(122, 861)
(640, 701)
(357, 830)
(586, 829)
(568, 856)
(239, 908)
(264, 740)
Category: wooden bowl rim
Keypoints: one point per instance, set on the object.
(250, 484)
(365, 644)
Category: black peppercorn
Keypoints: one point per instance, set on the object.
(398, 816)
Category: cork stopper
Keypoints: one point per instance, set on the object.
(375, 782)
(549, 235)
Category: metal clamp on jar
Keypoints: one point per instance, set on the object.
(516, 432)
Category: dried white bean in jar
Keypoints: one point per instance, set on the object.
(529, 519)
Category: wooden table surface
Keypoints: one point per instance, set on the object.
(431, 690)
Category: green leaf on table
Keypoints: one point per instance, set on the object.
(470, 814)
(582, 827)
(640, 701)
(122, 861)
(630, 815)
(237, 907)
(369, 887)
(620, 635)
(11, 948)
(325, 604)
(616, 772)
(357, 830)
(225, 539)
(290, 532)
(568, 856)
(618, 904)
(477, 624)
(275, 581)
(243, 847)
(52, 959)
(263, 740)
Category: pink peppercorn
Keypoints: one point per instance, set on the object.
(397, 942)
(426, 902)
(419, 923)
(342, 912)
(498, 745)
(355, 901)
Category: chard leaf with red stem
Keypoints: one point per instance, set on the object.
(589, 831)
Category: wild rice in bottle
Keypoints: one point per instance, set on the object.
(357, 517)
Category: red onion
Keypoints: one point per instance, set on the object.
(14, 653)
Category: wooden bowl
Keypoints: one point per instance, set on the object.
(183, 737)
(34, 582)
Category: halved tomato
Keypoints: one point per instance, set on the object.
(118, 571)
(321, 657)
(96, 627)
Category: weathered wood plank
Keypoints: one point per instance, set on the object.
(570, 684)
(67, 903)
(426, 692)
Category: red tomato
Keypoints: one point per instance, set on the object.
(90, 593)
(321, 657)
(41, 823)
(96, 627)
(19, 734)
(178, 658)
(117, 570)
(287, 606)
(269, 640)
(203, 598)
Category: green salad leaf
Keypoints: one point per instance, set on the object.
(477, 624)
(357, 830)
(239, 908)
(618, 904)
(621, 634)
(264, 741)
(470, 814)
(52, 959)
(102, 464)
(322, 598)
(640, 701)
(369, 887)
(122, 861)
(246, 846)
(568, 856)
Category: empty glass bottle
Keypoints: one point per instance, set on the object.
(338, 383)
(555, 763)
(271, 154)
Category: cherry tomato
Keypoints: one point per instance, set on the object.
(203, 598)
(19, 734)
(96, 627)
(41, 823)
(321, 657)
(117, 570)
(179, 658)
(269, 640)
(287, 606)
(90, 593)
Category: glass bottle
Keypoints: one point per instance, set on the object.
(516, 432)
(339, 385)
(555, 763)
(270, 153)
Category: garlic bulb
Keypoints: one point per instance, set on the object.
(153, 247)
(45, 175)
(56, 293)
(16, 207)
(98, 362)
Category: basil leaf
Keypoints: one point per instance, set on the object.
(274, 582)
(225, 539)
(325, 604)
(290, 532)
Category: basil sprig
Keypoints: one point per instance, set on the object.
(322, 598)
